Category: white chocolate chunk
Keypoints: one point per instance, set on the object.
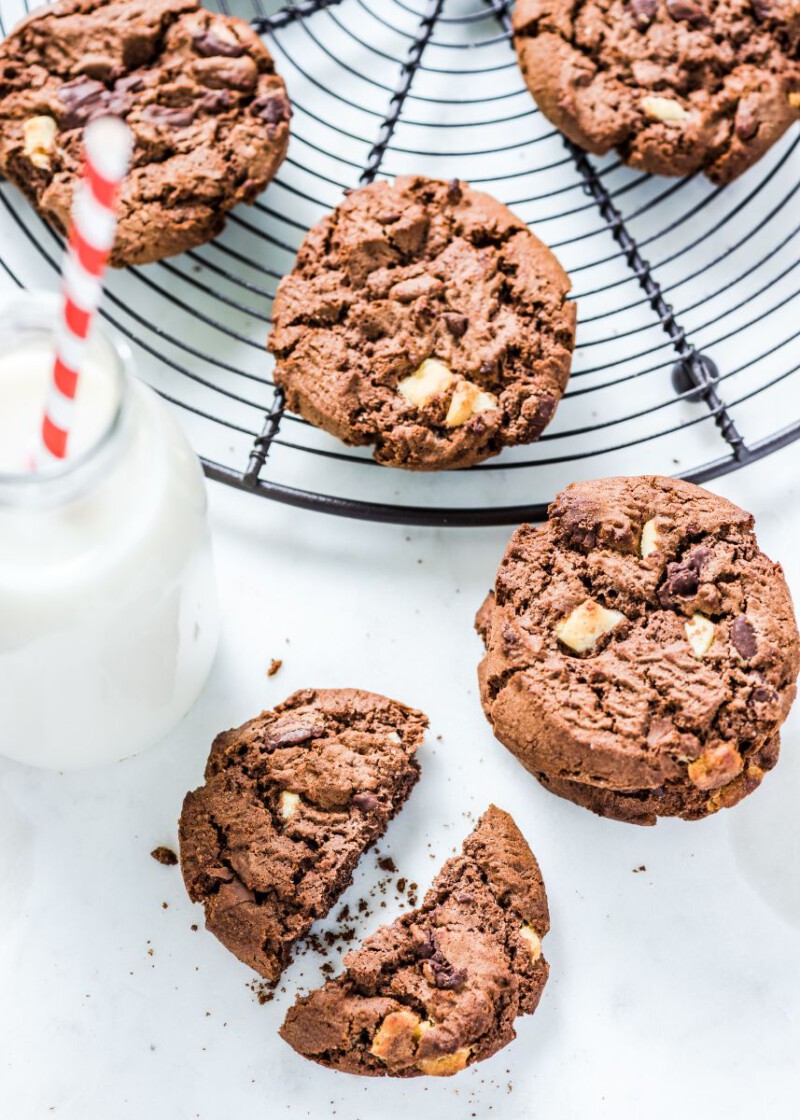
(468, 400)
(794, 100)
(397, 1029)
(394, 737)
(431, 380)
(587, 623)
(446, 1064)
(289, 804)
(39, 140)
(651, 538)
(532, 940)
(665, 109)
(700, 631)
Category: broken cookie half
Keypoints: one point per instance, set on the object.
(291, 801)
(440, 988)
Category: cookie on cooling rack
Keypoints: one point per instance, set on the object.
(291, 801)
(425, 319)
(641, 651)
(675, 86)
(438, 989)
(209, 115)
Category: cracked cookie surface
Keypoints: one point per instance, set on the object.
(438, 989)
(291, 801)
(676, 696)
(425, 319)
(675, 86)
(208, 114)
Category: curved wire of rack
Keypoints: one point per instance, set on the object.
(688, 295)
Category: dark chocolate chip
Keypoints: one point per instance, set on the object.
(208, 44)
(689, 10)
(232, 894)
(130, 83)
(441, 973)
(175, 118)
(271, 110)
(746, 123)
(762, 695)
(644, 12)
(743, 636)
(216, 100)
(545, 407)
(454, 193)
(447, 977)
(683, 579)
(366, 802)
(456, 324)
(582, 537)
(289, 734)
(464, 897)
(82, 98)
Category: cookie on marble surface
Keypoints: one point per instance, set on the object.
(438, 989)
(208, 113)
(425, 319)
(675, 86)
(291, 801)
(640, 641)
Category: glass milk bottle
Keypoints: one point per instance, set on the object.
(108, 607)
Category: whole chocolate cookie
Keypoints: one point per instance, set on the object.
(640, 642)
(424, 318)
(675, 86)
(291, 801)
(438, 989)
(208, 113)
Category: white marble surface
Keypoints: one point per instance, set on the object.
(674, 991)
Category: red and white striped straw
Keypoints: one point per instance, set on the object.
(107, 152)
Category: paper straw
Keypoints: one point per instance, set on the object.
(107, 153)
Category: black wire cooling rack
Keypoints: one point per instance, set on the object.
(688, 299)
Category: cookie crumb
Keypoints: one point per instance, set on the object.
(275, 666)
(164, 855)
(387, 864)
(641, 867)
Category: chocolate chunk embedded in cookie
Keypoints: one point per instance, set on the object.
(291, 801)
(208, 113)
(424, 318)
(438, 989)
(641, 643)
(675, 86)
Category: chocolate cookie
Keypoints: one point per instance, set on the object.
(675, 86)
(438, 989)
(208, 113)
(291, 801)
(426, 319)
(640, 642)
(673, 799)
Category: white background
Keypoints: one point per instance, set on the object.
(673, 991)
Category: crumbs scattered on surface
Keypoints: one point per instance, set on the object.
(641, 867)
(165, 906)
(193, 928)
(387, 864)
(264, 992)
(165, 856)
(274, 666)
